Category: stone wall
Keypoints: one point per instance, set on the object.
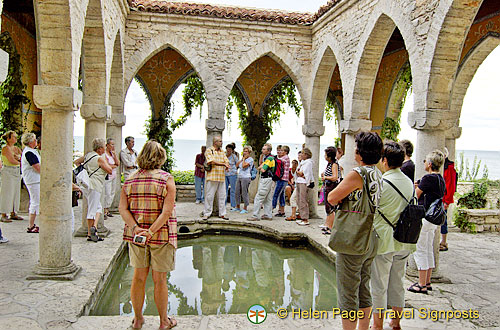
(185, 193)
(492, 196)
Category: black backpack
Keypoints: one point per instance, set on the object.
(407, 228)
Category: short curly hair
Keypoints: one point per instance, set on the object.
(369, 146)
(152, 156)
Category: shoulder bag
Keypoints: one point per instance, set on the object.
(206, 166)
(435, 214)
(351, 232)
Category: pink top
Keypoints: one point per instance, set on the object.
(111, 161)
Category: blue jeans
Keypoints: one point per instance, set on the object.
(444, 227)
(199, 186)
(231, 181)
(279, 192)
(1, 233)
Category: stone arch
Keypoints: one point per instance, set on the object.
(95, 73)
(279, 54)
(116, 89)
(136, 59)
(448, 32)
(467, 69)
(59, 66)
(373, 44)
(321, 83)
(397, 95)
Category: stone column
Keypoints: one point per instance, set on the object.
(351, 127)
(431, 126)
(451, 137)
(95, 116)
(214, 128)
(114, 131)
(57, 104)
(313, 133)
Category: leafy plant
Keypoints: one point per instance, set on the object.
(12, 90)
(183, 177)
(476, 199)
(460, 220)
(390, 129)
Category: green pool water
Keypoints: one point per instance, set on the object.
(227, 275)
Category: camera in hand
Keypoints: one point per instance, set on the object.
(139, 239)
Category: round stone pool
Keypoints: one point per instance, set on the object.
(226, 275)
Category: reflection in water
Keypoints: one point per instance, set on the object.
(228, 274)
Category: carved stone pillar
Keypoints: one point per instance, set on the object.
(451, 137)
(57, 104)
(114, 130)
(351, 127)
(313, 133)
(95, 116)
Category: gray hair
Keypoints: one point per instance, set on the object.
(27, 138)
(249, 148)
(108, 140)
(98, 143)
(435, 159)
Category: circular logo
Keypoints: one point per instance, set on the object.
(256, 314)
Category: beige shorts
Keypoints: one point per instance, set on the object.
(161, 258)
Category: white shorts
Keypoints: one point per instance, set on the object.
(93, 203)
(34, 191)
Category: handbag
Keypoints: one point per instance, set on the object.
(81, 175)
(351, 232)
(435, 214)
(409, 224)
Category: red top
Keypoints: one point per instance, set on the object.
(200, 159)
(450, 179)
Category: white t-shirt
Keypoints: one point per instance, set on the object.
(245, 173)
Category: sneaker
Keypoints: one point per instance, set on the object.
(243, 211)
(253, 219)
(322, 226)
(205, 217)
(279, 214)
(303, 223)
(197, 202)
(266, 218)
(3, 240)
(234, 209)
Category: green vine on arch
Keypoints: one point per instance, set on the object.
(391, 127)
(12, 90)
(162, 128)
(257, 129)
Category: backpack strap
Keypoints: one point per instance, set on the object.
(386, 220)
(399, 192)
(89, 161)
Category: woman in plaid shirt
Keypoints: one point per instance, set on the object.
(147, 207)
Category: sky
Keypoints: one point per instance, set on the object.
(480, 117)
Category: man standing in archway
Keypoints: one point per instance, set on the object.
(215, 179)
(128, 157)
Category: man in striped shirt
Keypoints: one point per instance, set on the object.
(265, 191)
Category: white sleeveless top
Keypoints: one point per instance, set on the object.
(30, 176)
(111, 161)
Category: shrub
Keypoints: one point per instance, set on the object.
(460, 220)
(183, 177)
(476, 199)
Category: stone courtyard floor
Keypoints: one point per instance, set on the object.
(472, 264)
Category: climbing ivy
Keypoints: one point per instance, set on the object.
(12, 90)
(257, 129)
(162, 127)
(330, 109)
(391, 127)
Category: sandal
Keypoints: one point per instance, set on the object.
(140, 325)
(443, 247)
(172, 324)
(428, 286)
(327, 231)
(416, 288)
(33, 230)
(290, 219)
(16, 217)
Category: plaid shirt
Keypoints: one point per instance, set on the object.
(218, 172)
(146, 191)
(286, 166)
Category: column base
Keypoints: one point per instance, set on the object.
(66, 273)
(83, 231)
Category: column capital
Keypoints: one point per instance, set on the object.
(453, 133)
(117, 119)
(353, 126)
(57, 98)
(215, 125)
(434, 119)
(313, 130)
(95, 112)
